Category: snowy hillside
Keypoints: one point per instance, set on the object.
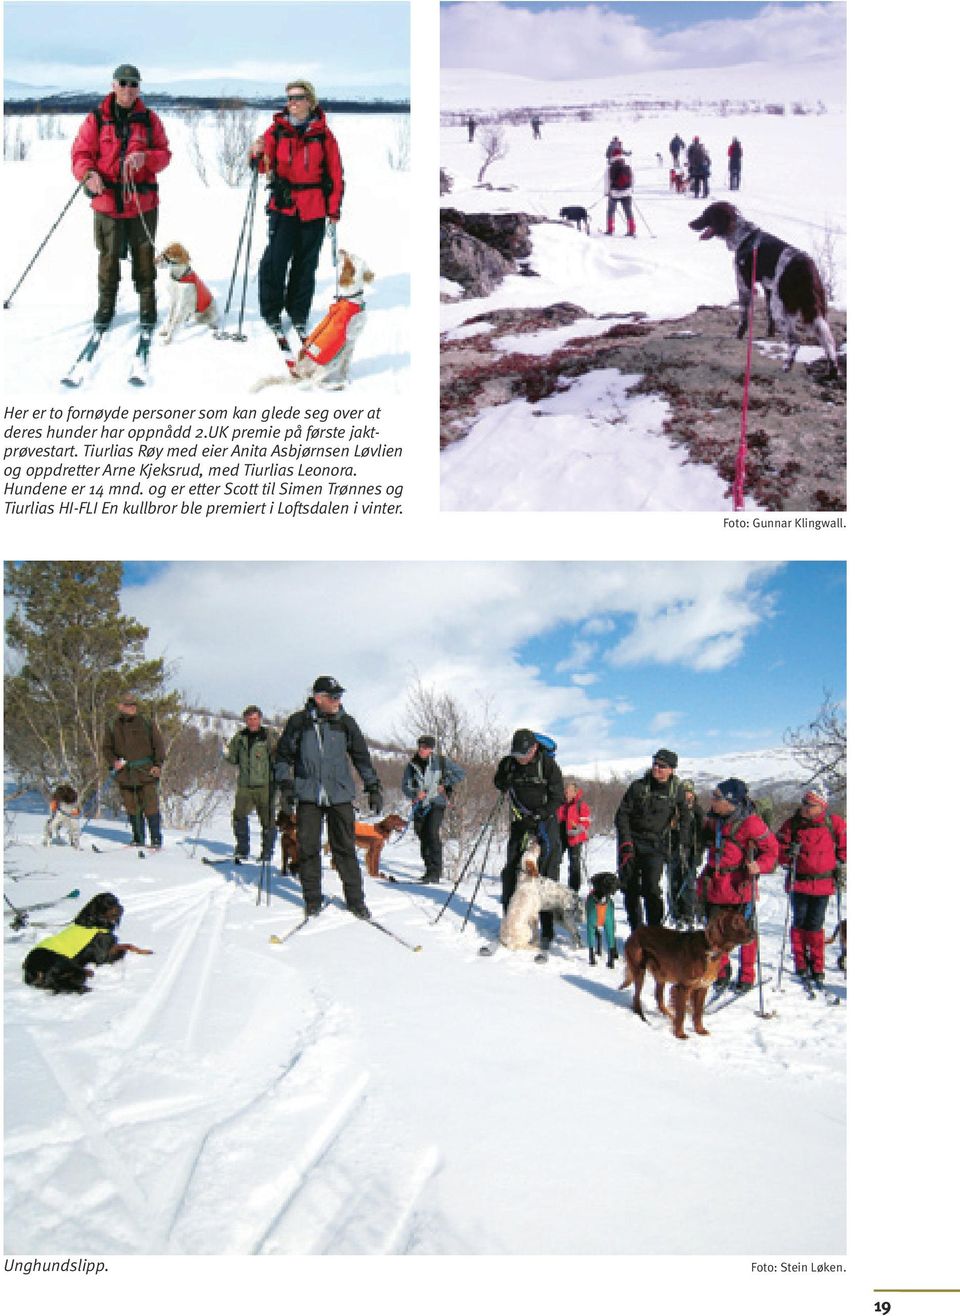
(343, 1095)
(773, 766)
(55, 305)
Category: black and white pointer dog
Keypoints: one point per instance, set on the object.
(790, 280)
(576, 215)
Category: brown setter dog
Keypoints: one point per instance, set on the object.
(687, 961)
(289, 846)
(372, 837)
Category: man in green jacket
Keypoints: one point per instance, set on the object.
(252, 751)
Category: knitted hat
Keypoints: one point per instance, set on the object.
(308, 87)
(667, 758)
(251, 709)
(327, 685)
(816, 793)
(733, 790)
(428, 742)
(128, 71)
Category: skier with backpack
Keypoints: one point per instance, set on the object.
(677, 144)
(735, 160)
(301, 156)
(686, 855)
(698, 167)
(619, 189)
(119, 149)
(652, 809)
(428, 780)
(251, 751)
(533, 784)
(740, 848)
(820, 864)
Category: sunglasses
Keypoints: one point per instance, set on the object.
(127, 82)
(297, 96)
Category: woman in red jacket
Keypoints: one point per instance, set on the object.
(820, 839)
(117, 154)
(729, 875)
(301, 155)
(574, 819)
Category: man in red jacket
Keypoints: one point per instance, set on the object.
(820, 838)
(732, 829)
(117, 154)
(301, 155)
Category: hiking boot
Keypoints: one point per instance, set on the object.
(301, 332)
(740, 986)
(239, 857)
(429, 879)
(818, 979)
(311, 908)
(358, 909)
(148, 307)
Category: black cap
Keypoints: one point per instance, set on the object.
(523, 741)
(733, 790)
(667, 758)
(327, 685)
(428, 742)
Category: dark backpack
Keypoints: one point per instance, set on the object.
(621, 175)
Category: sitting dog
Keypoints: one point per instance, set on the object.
(289, 845)
(678, 181)
(372, 837)
(64, 813)
(190, 298)
(576, 215)
(688, 961)
(601, 919)
(325, 354)
(790, 280)
(60, 963)
(535, 895)
(840, 931)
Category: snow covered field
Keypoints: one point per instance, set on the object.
(51, 314)
(342, 1095)
(793, 185)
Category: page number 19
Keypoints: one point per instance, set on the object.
(882, 1307)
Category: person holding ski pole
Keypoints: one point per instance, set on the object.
(428, 780)
(134, 752)
(820, 863)
(619, 191)
(685, 858)
(315, 753)
(301, 157)
(117, 154)
(574, 819)
(533, 784)
(731, 827)
(649, 813)
(251, 751)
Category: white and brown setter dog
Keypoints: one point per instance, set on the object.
(790, 280)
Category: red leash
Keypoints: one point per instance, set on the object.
(740, 471)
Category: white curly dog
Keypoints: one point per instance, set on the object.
(535, 894)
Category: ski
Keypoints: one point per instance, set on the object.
(824, 993)
(21, 913)
(141, 849)
(276, 940)
(218, 863)
(78, 372)
(139, 374)
(728, 997)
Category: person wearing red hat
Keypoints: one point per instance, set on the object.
(732, 830)
(817, 839)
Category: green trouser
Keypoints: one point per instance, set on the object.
(113, 238)
(253, 799)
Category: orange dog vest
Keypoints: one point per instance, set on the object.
(204, 295)
(330, 335)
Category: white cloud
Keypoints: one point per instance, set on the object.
(664, 721)
(585, 40)
(261, 632)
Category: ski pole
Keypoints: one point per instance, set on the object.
(791, 879)
(645, 224)
(476, 845)
(73, 197)
(476, 888)
(247, 214)
(332, 226)
(240, 336)
(751, 852)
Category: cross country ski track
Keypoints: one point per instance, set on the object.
(338, 1095)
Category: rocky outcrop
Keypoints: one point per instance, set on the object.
(479, 250)
(796, 431)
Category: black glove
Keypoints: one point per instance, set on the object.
(287, 798)
(625, 855)
(375, 798)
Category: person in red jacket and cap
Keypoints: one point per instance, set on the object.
(302, 158)
(732, 829)
(820, 840)
(117, 154)
(574, 819)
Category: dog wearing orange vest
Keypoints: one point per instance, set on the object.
(325, 354)
(190, 298)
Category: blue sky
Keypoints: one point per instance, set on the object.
(612, 658)
(594, 40)
(333, 44)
